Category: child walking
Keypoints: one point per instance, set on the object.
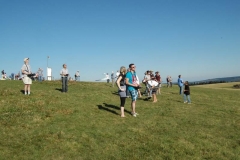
(187, 93)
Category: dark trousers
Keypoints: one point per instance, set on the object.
(64, 84)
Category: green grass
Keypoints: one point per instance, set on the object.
(85, 123)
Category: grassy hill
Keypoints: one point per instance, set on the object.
(85, 123)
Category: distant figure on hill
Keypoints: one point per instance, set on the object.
(187, 93)
(64, 73)
(77, 76)
(26, 70)
(180, 84)
(170, 81)
(112, 78)
(40, 74)
(107, 77)
(117, 74)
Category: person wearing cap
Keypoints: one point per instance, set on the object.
(64, 74)
(26, 70)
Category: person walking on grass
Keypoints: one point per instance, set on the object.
(132, 86)
(122, 88)
(187, 93)
(64, 74)
(180, 84)
(26, 70)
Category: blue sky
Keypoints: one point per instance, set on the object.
(198, 39)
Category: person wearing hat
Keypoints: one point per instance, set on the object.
(26, 70)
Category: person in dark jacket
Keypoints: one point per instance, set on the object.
(186, 93)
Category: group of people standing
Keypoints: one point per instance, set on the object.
(27, 76)
(169, 81)
(184, 89)
(127, 80)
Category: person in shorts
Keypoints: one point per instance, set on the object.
(132, 86)
(153, 86)
(26, 70)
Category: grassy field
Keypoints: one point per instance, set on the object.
(85, 123)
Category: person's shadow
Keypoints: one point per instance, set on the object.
(58, 89)
(109, 107)
(22, 91)
(101, 107)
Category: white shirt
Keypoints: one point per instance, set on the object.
(152, 83)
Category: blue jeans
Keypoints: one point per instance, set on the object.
(64, 84)
(181, 89)
(186, 98)
(40, 78)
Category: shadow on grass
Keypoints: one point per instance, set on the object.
(147, 99)
(115, 107)
(107, 109)
(58, 89)
(115, 93)
(22, 91)
(107, 106)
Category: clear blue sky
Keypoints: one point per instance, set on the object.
(198, 39)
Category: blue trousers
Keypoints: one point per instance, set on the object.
(64, 84)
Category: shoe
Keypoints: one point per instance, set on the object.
(134, 114)
(185, 102)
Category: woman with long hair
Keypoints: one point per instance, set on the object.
(122, 88)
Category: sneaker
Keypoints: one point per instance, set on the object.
(134, 114)
(185, 102)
